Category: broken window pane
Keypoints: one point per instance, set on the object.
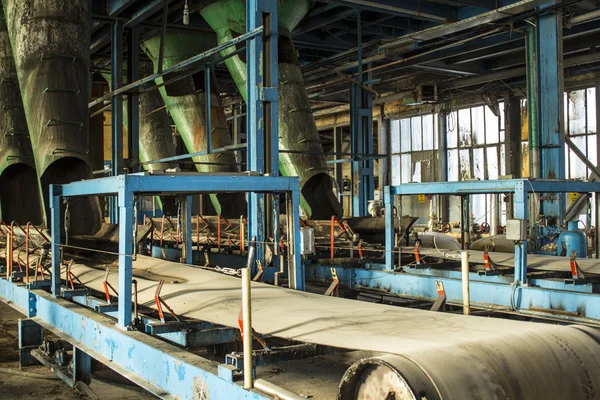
(464, 127)
(478, 128)
(452, 130)
(501, 108)
(592, 150)
(491, 126)
(465, 165)
(478, 164)
(395, 147)
(577, 119)
(416, 176)
(453, 165)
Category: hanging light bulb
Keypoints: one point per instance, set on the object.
(186, 13)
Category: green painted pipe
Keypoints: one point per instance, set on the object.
(297, 129)
(185, 100)
(18, 179)
(51, 47)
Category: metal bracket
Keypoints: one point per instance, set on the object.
(334, 288)
(490, 266)
(160, 302)
(577, 275)
(440, 302)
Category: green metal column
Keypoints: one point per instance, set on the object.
(18, 179)
(300, 150)
(186, 102)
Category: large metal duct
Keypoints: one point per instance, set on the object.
(19, 189)
(551, 365)
(185, 100)
(297, 129)
(51, 45)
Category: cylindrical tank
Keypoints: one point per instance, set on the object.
(18, 179)
(554, 364)
(297, 129)
(572, 240)
(51, 47)
(185, 100)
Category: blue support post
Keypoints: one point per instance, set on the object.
(296, 269)
(390, 232)
(255, 127)
(187, 230)
(117, 110)
(133, 105)
(262, 128)
(361, 127)
(549, 63)
(521, 205)
(55, 228)
(125, 201)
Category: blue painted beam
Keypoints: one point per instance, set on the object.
(159, 367)
(490, 293)
(495, 186)
(176, 183)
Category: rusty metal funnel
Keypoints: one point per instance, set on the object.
(185, 100)
(19, 189)
(297, 129)
(51, 46)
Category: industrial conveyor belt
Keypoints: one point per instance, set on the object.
(505, 359)
(534, 261)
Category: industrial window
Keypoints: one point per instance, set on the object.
(581, 125)
(413, 143)
(476, 150)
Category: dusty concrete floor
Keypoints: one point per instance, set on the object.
(15, 386)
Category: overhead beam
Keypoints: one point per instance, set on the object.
(115, 7)
(320, 21)
(422, 11)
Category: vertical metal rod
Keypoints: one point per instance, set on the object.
(55, 235)
(247, 315)
(27, 252)
(207, 94)
(135, 299)
(464, 259)
(117, 112)
(125, 202)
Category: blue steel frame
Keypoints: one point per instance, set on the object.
(126, 187)
(490, 291)
(519, 187)
(161, 368)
